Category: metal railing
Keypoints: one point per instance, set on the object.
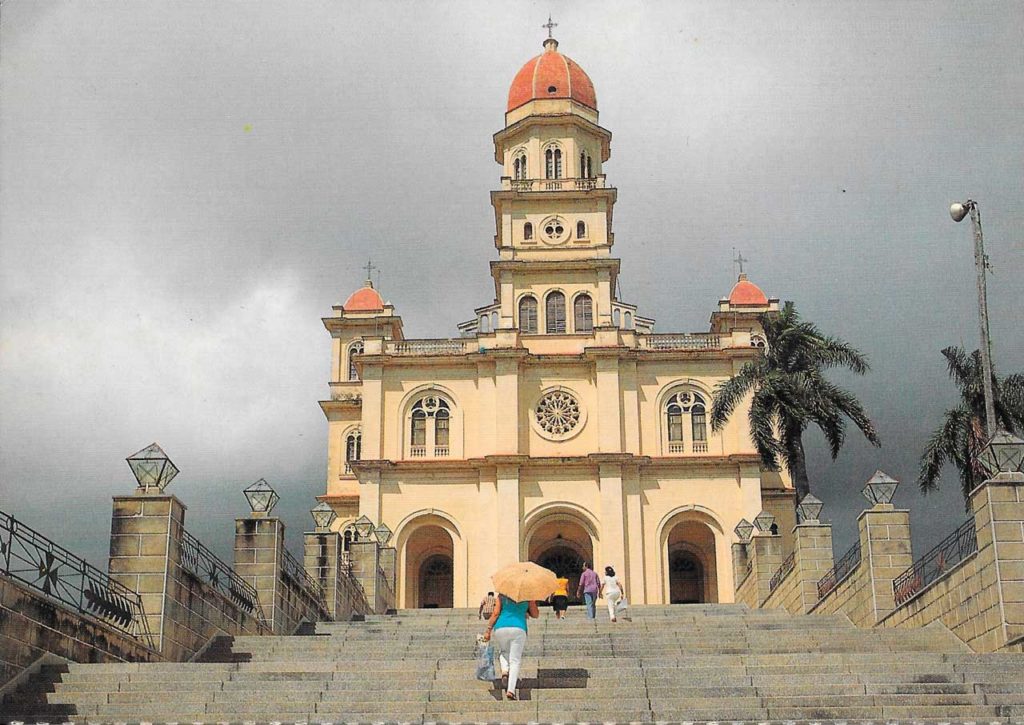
(292, 569)
(945, 556)
(843, 568)
(207, 567)
(787, 566)
(681, 342)
(34, 560)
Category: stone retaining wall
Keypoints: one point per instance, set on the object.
(32, 624)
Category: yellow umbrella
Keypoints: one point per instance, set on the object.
(524, 581)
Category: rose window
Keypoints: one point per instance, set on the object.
(558, 413)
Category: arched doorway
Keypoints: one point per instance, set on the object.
(436, 582)
(562, 544)
(692, 575)
(429, 568)
(686, 577)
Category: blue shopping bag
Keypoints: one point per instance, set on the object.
(484, 661)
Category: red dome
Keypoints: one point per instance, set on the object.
(551, 75)
(365, 299)
(747, 294)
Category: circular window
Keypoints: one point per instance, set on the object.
(552, 89)
(554, 230)
(558, 415)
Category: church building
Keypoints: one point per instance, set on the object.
(558, 427)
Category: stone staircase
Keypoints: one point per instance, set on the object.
(679, 663)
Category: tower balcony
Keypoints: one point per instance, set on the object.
(572, 184)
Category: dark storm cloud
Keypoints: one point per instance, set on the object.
(187, 188)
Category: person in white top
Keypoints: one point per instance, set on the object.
(611, 588)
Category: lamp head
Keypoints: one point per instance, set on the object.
(958, 211)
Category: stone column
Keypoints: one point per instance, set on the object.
(145, 531)
(765, 553)
(812, 557)
(364, 569)
(259, 547)
(506, 389)
(740, 558)
(885, 554)
(388, 560)
(613, 531)
(321, 558)
(998, 507)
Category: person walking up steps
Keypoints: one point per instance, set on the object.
(589, 587)
(612, 590)
(560, 599)
(487, 605)
(508, 627)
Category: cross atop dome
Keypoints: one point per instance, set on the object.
(550, 25)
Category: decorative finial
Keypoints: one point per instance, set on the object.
(740, 259)
(370, 266)
(550, 25)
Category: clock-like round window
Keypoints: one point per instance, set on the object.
(554, 230)
(558, 415)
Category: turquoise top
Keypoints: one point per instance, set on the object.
(513, 614)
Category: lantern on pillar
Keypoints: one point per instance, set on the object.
(383, 534)
(764, 522)
(1004, 453)
(152, 468)
(808, 509)
(743, 531)
(880, 488)
(323, 515)
(363, 527)
(261, 497)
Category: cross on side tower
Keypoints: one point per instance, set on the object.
(550, 26)
(370, 266)
(740, 259)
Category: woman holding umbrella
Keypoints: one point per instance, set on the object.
(519, 586)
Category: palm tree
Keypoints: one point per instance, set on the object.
(962, 434)
(790, 392)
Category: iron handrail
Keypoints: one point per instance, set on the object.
(37, 561)
(292, 569)
(787, 566)
(943, 557)
(843, 568)
(207, 566)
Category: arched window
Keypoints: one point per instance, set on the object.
(519, 167)
(483, 324)
(353, 448)
(528, 316)
(679, 406)
(554, 313)
(583, 314)
(759, 342)
(616, 317)
(586, 166)
(628, 320)
(581, 230)
(494, 321)
(528, 231)
(356, 348)
(430, 427)
(553, 163)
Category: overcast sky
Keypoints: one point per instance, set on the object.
(187, 187)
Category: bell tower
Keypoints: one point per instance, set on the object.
(553, 213)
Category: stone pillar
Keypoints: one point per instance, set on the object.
(812, 557)
(145, 530)
(506, 389)
(765, 552)
(388, 560)
(740, 558)
(609, 409)
(998, 507)
(321, 558)
(365, 560)
(884, 554)
(259, 550)
(636, 584)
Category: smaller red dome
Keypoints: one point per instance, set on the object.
(747, 294)
(551, 75)
(364, 299)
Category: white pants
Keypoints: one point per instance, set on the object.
(510, 642)
(612, 598)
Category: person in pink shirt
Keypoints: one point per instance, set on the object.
(590, 585)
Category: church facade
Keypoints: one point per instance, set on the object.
(558, 426)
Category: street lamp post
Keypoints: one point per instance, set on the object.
(958, 211)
